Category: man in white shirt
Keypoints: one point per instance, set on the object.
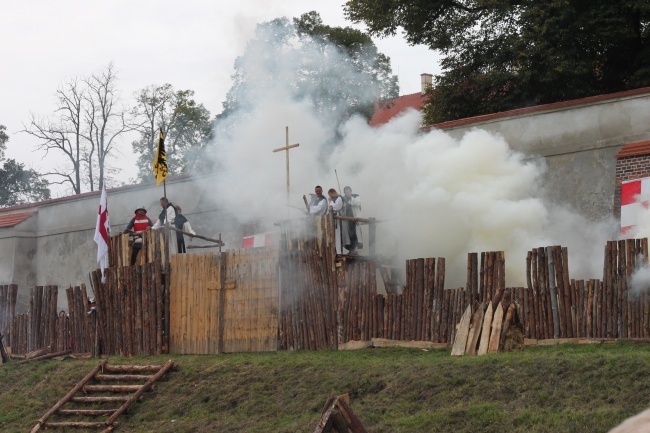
(318, 204)
(335, 204)
(351, 208)
(168, 213)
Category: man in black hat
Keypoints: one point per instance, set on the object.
(138, 225)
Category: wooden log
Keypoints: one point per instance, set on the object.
(482, 280)
(543, 291)
(589, 320)
(429, 284)
(46, 356)
(111, 388)
(460, 341)
(529, 326)
(502, 270)
(422, 299)
(537, 297)
(37, 353)
(76, 424)
(580, 307)
(598, 305)
(85, 412)
(13, 294)
(468, 283)
(490, 275)
(621, 274)
(529, 294)
(121, 377)
(510, 314)
(485, 330)
(552, 255)
(610, 258)
(440, 283)
(382, 342)
(101, 399)
(444, 307)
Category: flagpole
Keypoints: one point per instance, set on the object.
(108, 229)
(164, 187)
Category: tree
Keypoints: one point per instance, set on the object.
(185, 125)
(63, 133)
(338, 69)
(17, 184)
(505, 54)
(105, 121)
(3, 141)
(83, 128)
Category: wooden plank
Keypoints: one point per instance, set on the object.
(475, 330)
(383, 342)
(458, 348)
(485, 331)
(495, 333)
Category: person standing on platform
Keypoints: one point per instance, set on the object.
(352, 209)
(318, 204)
(136, 227)
(168, 214)
(182, 223)
(335, 204)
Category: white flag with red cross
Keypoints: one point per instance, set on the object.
(101, 233)
(635, 196)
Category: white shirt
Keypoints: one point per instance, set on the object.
(170, 216)
(336, 204)
(319, 209)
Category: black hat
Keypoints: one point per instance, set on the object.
(141, 208)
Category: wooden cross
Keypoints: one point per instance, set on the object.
(287, 147)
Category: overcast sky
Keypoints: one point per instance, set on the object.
(190, 44)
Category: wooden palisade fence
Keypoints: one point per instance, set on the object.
(303, 296)
(44, 327)
(8, 297)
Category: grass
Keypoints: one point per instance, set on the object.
(564, 388)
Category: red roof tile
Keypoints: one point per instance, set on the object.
(395, 107)
(634, 149)
(12, 219)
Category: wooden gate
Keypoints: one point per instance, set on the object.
(226, 303)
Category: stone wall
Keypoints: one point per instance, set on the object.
(55, 245)
(577, 140)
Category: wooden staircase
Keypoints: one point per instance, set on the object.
(105, 385)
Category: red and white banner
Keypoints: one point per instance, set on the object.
(635, 198)
(101, 233)
(269, 239)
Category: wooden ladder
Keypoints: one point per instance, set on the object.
(124, 386)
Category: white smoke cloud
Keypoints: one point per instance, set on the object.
(640, 280)
(435, 195)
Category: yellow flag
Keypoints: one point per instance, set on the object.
(160, 160)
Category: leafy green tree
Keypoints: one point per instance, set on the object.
(505, 54)
(185, 124)
(17, 184)
(338, 69)
(3, 141)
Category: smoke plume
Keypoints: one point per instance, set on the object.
(435, 196)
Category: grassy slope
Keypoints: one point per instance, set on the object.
(553, 389)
